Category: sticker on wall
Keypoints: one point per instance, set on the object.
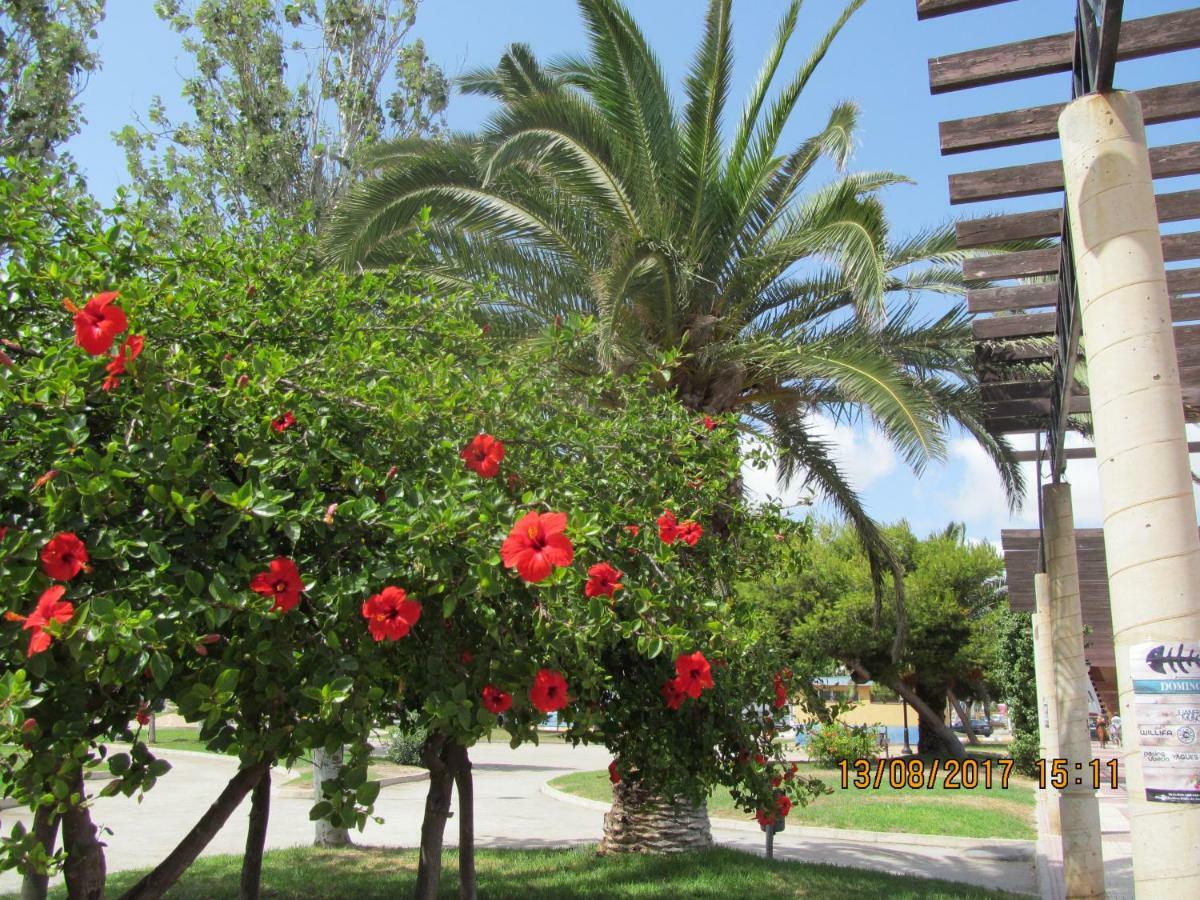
(1166, 693)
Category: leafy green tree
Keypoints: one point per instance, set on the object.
(588, 191)
(1018, 687)
(823, 605)
(45, 61)
(263, 142)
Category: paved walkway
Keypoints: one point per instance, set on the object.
(513, 811)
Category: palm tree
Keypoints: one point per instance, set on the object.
(588, 192)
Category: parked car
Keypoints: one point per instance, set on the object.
(979, 726)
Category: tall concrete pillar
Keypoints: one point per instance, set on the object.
(1145, 480)
(1079, 808)
(1047, 700)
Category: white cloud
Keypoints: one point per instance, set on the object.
(863, 455)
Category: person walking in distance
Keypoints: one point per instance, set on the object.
(1102, 732)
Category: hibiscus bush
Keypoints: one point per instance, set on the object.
(298, 504)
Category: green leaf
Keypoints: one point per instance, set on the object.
(227, 681)
(320, 810)
(367, 792)
(220, 591)
(119, 764)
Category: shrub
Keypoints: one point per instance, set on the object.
(835, 742)
(406, 742)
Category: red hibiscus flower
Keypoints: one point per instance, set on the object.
(143, 715)
(613, 775)
(694, 673)
(633, 530)
(64, 557)
(6, 360)
(282, 581)
(495, 700)
(602, 581)
(3, 532)
(284, 422)
(668, 527)
(98, 323)
(709, 423)
(690, 532)
(548, 693)
(764, 818)
(483, 455)
(673, 693)
(130, 350)
(776, 780)
(50, 608)
(781, 694)
(784, 804)
(536, 545)
(390, 614)
(791, 772)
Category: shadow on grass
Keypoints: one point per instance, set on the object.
(562, 874)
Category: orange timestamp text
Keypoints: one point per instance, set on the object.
(916, 774)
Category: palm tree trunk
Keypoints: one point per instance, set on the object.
(640, 822)
(45, 829)
(327, 766)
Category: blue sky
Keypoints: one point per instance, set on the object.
(879, 61)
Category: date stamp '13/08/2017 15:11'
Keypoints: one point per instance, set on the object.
(969, 774)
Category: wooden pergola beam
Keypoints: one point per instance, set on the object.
(930, 9)
(1175, 206)
(1171, 103)
(1053, 54)
(1047, 177)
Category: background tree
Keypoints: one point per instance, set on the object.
(823, 604)
(263, 140)
(45, 61)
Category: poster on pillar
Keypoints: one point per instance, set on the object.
(1166, 693)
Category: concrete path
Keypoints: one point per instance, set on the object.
(513, 811)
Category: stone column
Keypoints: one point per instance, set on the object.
(1047, 700)
(1145, 479)
(1079, 808)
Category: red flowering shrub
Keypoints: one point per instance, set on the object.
(548, 693)
(98, 323)
(483, 455)
(603, 581)
(64, 557)
(537, 545)
(281, 582)
(495, 700)
(50, 608)
(390, 614)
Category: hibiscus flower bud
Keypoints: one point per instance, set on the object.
(201, 649)
(6, 360)
(44, 479)
(29, 726)
(243, 380)
(210, 639)
(329, 511)
(251, 290)
(391, 473)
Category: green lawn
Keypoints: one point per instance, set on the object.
(985, 813)
(178, 739)
(304, 873)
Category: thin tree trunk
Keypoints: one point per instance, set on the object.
(158, 881)
(256, 838)
(641, 822)
(437, 811)
(85, 870)
(35, 886)
(934, 732)
(463, 779)
(964, 716)
(327, 766)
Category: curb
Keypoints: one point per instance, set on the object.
(1020, 848)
